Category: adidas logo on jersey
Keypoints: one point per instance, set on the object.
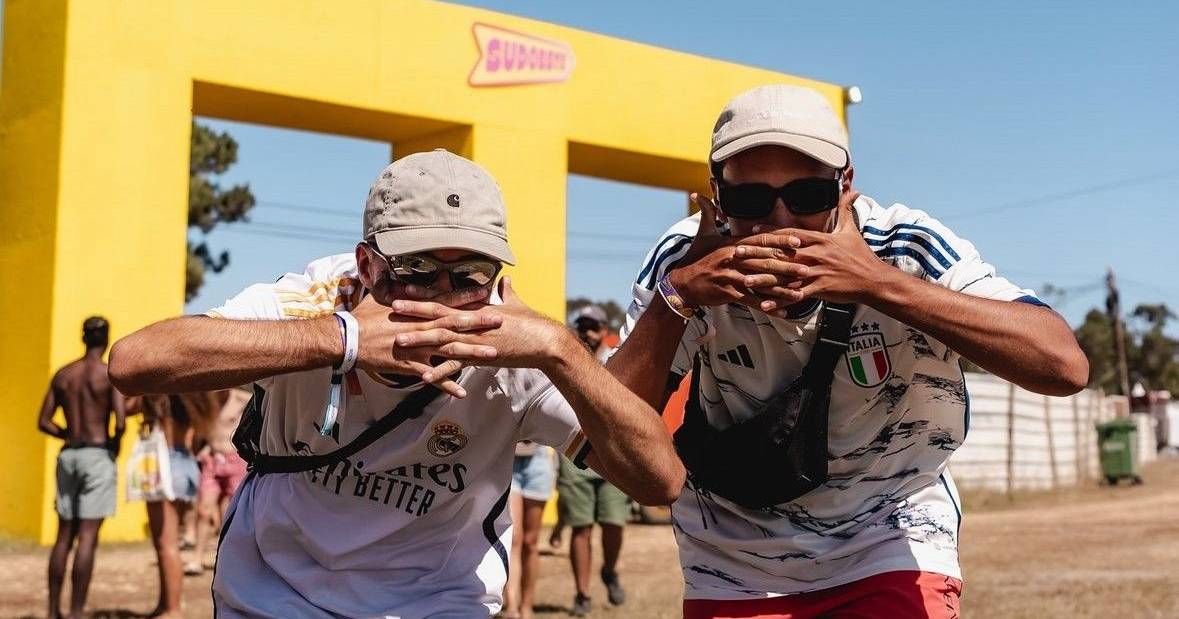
(737, 356)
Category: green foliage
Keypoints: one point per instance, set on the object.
(1152, 356)
(1096, 338)
(1153, 359)
(208, 204)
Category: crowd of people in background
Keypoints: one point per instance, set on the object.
(583, 499)
(204, 468)
(205, 471)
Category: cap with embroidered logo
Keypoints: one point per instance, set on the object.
(437, 200)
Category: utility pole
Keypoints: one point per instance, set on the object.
(1114, 310)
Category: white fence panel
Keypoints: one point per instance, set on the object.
(1020, 440)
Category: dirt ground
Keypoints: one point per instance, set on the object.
(1089, 552)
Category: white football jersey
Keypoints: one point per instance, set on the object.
(415, 525)
(899, 408)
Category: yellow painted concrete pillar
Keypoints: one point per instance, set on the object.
(105, 226)
(456, 140)
(531, 167)
(30, 151)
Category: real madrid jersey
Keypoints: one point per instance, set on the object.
(415, 525)
(899, 408)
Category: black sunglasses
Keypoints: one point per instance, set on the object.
(584, 324)
(423, 270)
(805, 196)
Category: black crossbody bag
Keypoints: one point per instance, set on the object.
(780, 453)
(247, 436)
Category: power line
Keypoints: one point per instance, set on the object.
(331, 212)
(306, 208)
(1064, 195)
(287, 231)
(1152, 287)
(297, 236)
(346, 235)
(338, 235)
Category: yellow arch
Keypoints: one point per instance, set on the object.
(95, 109)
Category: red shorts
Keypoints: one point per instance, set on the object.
(221, 474)
(887, 596)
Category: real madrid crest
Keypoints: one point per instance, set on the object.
(447, 440)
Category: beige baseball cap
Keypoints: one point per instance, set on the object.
(782, 115)
(436, 200)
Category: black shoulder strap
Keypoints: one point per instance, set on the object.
(409, 408)
(834, 328)
(830, 344)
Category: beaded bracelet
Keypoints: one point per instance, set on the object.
(673, 298)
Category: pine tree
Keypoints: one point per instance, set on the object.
(211, 154)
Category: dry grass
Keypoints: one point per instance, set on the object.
(1087, 552)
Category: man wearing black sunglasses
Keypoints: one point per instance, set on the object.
(371, 492)
(823, 332)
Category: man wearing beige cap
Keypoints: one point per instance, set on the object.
(371, 492)
(823, 333)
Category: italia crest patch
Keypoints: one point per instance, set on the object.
(867, 356)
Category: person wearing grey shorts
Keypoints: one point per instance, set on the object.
(86, 480)
(86, 471)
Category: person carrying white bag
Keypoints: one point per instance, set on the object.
(163, 473)
(149, 476)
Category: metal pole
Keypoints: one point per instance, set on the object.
(1114, 309)
(1010, 438)
(1077, 434)
(1051, 442)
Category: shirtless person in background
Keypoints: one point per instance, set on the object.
(86, 472)
(222, 469)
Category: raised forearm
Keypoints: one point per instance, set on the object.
(1029, 345)
(631, 446)
(643, 362)
(194, 353)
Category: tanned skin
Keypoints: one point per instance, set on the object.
(87, 400)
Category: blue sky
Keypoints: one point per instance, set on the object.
(1044, 134)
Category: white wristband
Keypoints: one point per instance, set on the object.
(350, 329)
(350, 332)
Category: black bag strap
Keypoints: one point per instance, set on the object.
(409, 408)
(834, 331)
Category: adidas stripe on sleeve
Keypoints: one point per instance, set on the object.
(327, 284)
(918, 244)
(256, 302)
(672, 246)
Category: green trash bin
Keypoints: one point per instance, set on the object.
(1117, 441)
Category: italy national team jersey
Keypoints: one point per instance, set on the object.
(899, 408)
(415, 525)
